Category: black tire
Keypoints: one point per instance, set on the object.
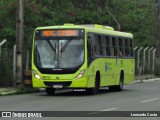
(50, 91)
(120, 86)
(121, 82)
(95, 89)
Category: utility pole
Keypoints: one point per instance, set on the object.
(19, 44)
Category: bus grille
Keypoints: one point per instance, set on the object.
(64, 84)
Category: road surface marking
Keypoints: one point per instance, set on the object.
(110, 109)
(144, 101)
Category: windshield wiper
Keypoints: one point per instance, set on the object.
(51, 46)
(38, 60)
(65, 45)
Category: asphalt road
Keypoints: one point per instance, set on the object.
(135, 97)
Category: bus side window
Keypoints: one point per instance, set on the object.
(103, 45)
(108, 45)
(131, 47)
(90, 46)
(114, 46)
(97, 44)
(120, 53)
(123, 46)
(127, 48)
(100, 45)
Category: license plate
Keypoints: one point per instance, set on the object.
(57, 86)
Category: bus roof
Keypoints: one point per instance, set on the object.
(90, 28)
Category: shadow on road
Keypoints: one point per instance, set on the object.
(67, 93)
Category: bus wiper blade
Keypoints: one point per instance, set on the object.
(65, 45)
(51, 46)
(38, 56)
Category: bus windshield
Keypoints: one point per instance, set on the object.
(58, 52)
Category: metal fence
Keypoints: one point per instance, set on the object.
(144, 60)
(8, 64)
(5, 65)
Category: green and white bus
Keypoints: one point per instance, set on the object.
(81, 57)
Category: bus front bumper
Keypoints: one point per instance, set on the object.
(79, 83)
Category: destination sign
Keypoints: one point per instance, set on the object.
(56, 33)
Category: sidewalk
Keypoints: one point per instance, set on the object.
(145, 77)
(8, 91)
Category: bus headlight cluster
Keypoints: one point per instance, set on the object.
(80, 75)
(36, 75)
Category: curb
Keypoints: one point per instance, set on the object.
(146, 80)
(17, 91)
(9, 92)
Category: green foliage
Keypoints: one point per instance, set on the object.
(135, 16)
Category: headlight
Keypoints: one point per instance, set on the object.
(80, 75)
(36, 74)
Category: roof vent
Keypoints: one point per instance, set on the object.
(98, 26)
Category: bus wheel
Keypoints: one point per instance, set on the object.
(50, 91)
(121, 82)
(95, 89)
(120, 86)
